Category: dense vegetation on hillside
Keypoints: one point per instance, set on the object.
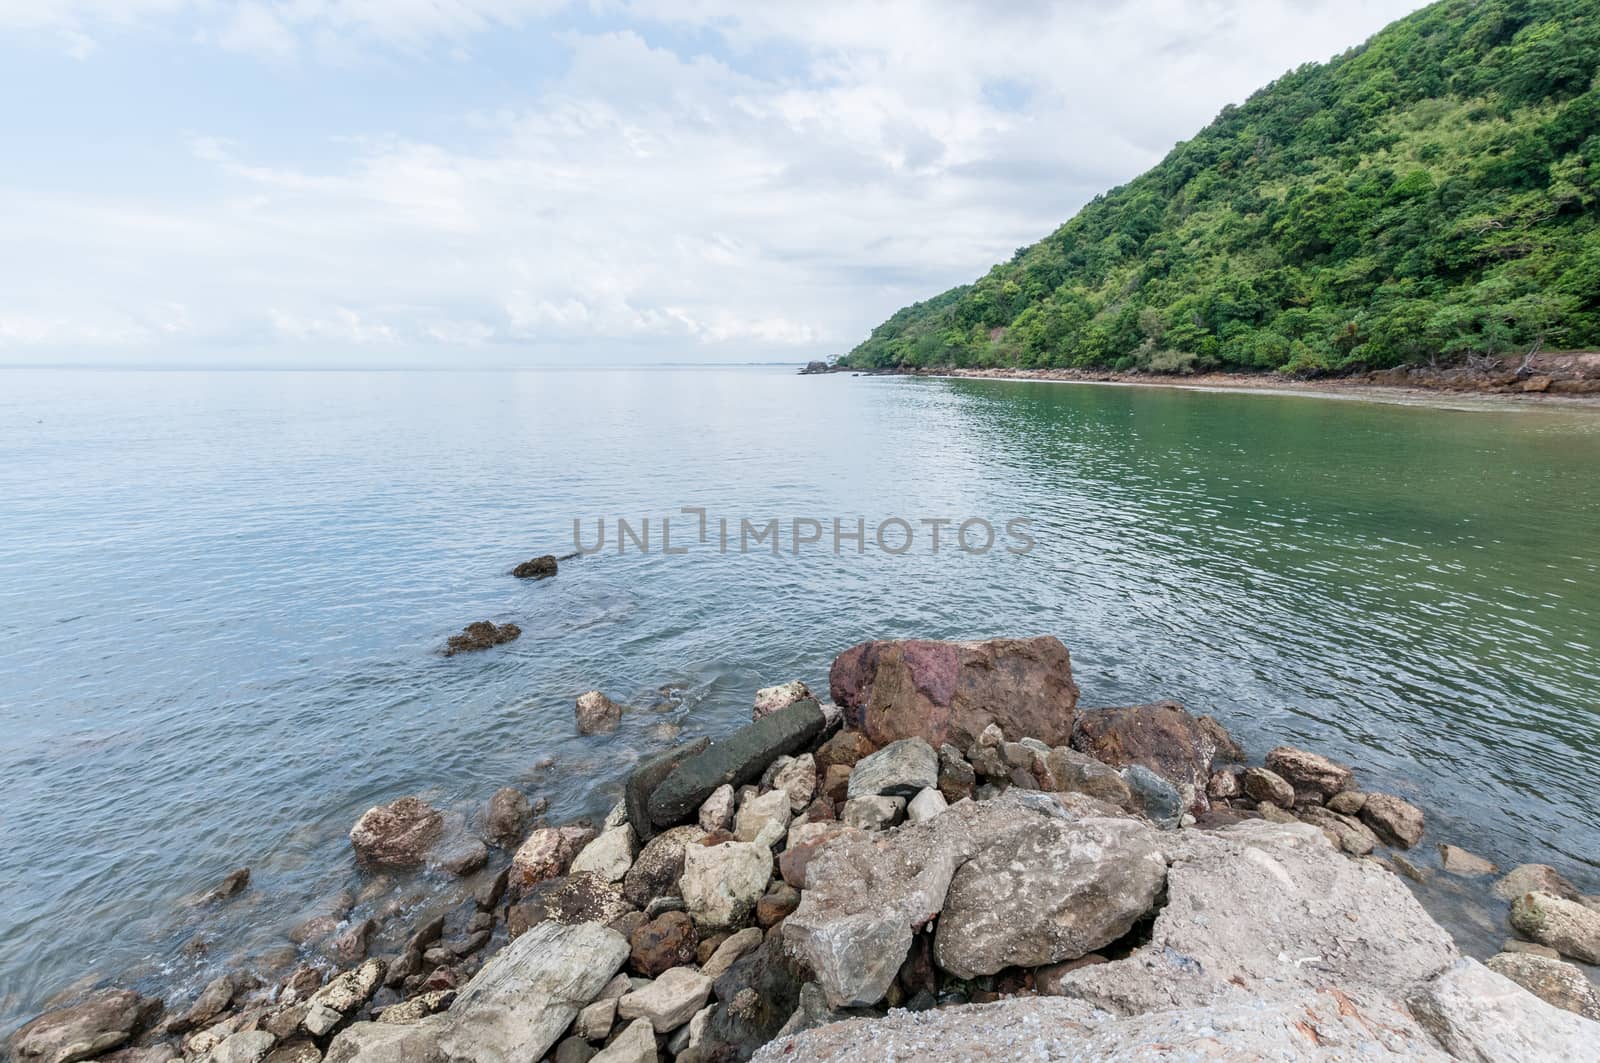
(1434, 193)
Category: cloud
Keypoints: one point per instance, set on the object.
(692, 179)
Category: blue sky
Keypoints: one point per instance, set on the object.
(515, 182)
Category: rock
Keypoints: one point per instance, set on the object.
(845, 748)
(462, 856)
(1157, 798)
(872, 813)
(508, 817)
(609, 856)
(1566, 926)
(95, 1025)
(248, 1046)
(866, 894)
(1476, 1014)
(950, 691)
(669, 1001)
(798, 778)
(1518, 945)
(594, 1022)
(1459, 862)
(298, 1050)
(722, 883)
(385, 1042)
(655, 871)
(737, 759)
(583, 897)
(1041, 890)
(233, 883)
(636, 1044)
(480, 635)
(774, 907)
(546, 855)
(836, 783)
(1398, 823)
(1072, 772)
(763, 819)
(716, 813)
(956, 777)
(398, 834)
(926, 805)
(1350, 834)
(596, 713)
(1310, 772)
(1561, 985)
(418, 1007)
(647, 776)
(342, 997)
(1267, 787)
(1409, 868)
(668, 940)
(770, 699)
(1347, 802)
(529, 992)
(573, 1050)
(755, 997)
(733, 948)
(1161, 736)
(804, 843)
(1223, 785)
(1530, 878)
(541, 567)
(900, 769)
(212, 1001)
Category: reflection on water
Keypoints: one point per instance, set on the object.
(221, 597)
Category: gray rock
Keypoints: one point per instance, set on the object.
(636, 1044)
(1267, 787)
(1157, 798)
(733, 948)
(383, 1042)
(1477, 1015)
(527, 995)
(1566, 926)
(721, 884)
(1069, 771)
(647, 776)
(763, 819)
(668, 1002)
(899, 769)
(926, 805)
(799, 779)
(737, 759)
(506, 821)
(716, 812)
(573, 1050)
(1530, 878)
(343, 996)
(609, 856)
(1557, 983)
(1460, 862)
(248, 1046)
(1041, 890)
(594, 1021)
(872, 813)
(93, 1026)
(1350, 834)
(654, 874)
(865, 897)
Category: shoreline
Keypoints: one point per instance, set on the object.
(1443, 389)
(730, 872)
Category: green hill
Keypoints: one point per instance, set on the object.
(1433, 193)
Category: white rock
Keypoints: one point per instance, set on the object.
(1478, 1015)
(771, 699)
(872, 813)
(926, 805)
(669, 1001)
(609, 855)
(722, 883)
(763, 819)
(799, 778)
(717, 811)
(636, 1044)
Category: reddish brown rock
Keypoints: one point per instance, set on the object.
(398, 834)
(950, 691)
(1310, 772)
(804, 843)
(1161, 736)
(775, 906)
(845, 747)
(668, 940)
(836, 783)
(547, 854)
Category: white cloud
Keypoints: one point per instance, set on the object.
(840, 160)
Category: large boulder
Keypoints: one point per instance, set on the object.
(1298, 1027)
(398, 834)
(1569, 927)
(1043, 889)
(900, 769)
(644, 779)
(950, 691)
(1557, 983)
(83, 1030)
(865, 897)
(1161, 736)
(1477, 1015)
(525, 997)
(737, 759)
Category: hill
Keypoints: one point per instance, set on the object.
(1434, 193)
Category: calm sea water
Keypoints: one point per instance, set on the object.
(222, 596)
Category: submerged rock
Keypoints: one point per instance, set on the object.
(541, 567)
(506, 821)
(1460, 862)
(1529, 878)
(398, 834)
(950, 691)
(480, 635)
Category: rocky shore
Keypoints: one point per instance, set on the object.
(947, 859)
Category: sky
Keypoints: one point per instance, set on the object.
(466, 183)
